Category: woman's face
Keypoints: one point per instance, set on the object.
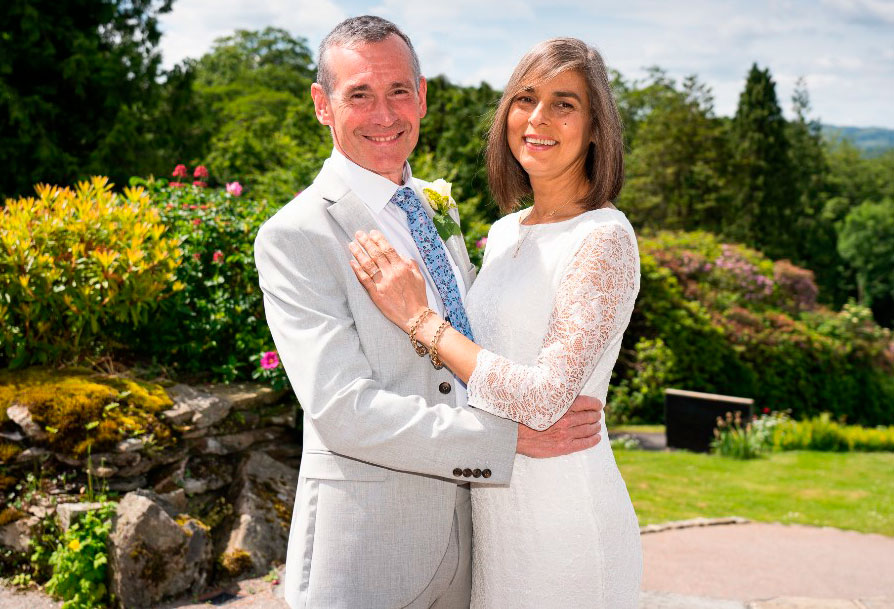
(548, 126)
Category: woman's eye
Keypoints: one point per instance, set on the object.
(524, 99)
(562, 105)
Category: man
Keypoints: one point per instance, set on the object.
(382, 516)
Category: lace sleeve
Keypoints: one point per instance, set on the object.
(594, 301)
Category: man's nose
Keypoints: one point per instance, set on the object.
(383, 113)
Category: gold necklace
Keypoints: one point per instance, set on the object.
(523, 238)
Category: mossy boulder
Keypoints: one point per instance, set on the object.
(81, 410)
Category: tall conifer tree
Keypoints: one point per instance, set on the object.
(764, 206)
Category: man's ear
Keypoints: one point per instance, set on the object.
(423, 89)
(322, 107)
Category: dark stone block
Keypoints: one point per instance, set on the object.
(690, 417)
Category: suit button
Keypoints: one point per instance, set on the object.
(457, 472)
(476, 473)
(485, 473)
(467, 472)
(444, 387)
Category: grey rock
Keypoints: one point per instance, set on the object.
(198, 408)
(237, 442)
(130, 445)
(247, 396)
(16, 535)
(125, 485)
(263, 496)
(177, 499)
(35, 453)
(153, 557)
(21, 416)
(70, 513)
(12, 436)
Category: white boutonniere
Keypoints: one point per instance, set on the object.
(438, 196)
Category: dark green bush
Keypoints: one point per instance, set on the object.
(723, 318)
(216, 325)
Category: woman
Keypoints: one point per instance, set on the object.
(547, 312)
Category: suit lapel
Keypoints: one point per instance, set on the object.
(352, 214)
(456, 246)
(346, 208)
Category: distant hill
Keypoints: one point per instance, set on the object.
(870, 140)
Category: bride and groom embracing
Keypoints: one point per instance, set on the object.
(434, 400)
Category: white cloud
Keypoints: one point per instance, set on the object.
(191, 28)
(842, 47)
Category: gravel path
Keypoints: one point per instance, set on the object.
(735, 566)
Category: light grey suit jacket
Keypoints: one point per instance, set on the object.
(381, 442)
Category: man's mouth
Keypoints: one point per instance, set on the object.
(383, 139)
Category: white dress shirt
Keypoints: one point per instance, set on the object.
(376, 192)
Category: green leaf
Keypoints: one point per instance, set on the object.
(446, 226)
(91, 425)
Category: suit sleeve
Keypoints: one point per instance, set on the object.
(307, 309)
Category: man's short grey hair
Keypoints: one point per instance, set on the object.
(354, 31)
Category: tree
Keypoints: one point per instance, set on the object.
(260, 121)
(77, 80)
(765, 204)
(674, 176)
(866, 241)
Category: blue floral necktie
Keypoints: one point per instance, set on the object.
(435, 256)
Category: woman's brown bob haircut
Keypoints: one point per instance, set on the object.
(604, 165)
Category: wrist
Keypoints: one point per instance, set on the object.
(416, 319)
(427, 329)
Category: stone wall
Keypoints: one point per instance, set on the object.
(215, 506)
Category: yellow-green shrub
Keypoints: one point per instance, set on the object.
(825, 434)
(75, 261)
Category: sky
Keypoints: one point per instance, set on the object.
(844, 49)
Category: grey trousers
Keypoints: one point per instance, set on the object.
(451, 586)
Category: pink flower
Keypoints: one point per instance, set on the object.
(234, 188)
(765, 410)
(269, 360)
(197, 221)
(169, 206)
(197, 256)
(218, 257)
(200, 184)
(203, 207)
(180, 171)
(200, 172)
(193, 206)
(175, 184)
(481, 243)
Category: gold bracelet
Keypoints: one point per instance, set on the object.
(433, 350)
(421, 350)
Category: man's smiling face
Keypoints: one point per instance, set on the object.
(375, 106)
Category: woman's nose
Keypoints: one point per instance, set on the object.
(538, 115)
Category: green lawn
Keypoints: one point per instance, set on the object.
(844, 490)
(637, 429)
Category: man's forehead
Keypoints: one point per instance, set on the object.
(389, 58)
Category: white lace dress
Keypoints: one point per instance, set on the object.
(549, 308)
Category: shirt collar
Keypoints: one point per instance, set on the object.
(374, 190)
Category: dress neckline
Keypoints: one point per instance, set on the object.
(561, 222)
